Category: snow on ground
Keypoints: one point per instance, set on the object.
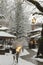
(7, 59)
(37, 59)
(35, 50)
(24, 62)
(24, 52)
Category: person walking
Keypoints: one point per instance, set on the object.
(40, 44)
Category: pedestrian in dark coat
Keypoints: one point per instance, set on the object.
(40, 44)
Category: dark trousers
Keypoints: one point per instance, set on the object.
(17, 55)
(40, 51)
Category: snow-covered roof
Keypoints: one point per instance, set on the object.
(35, 35)
(4, 28)
(36, 30)
(6, 35)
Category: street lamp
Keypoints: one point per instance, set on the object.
(34, 20)
(33, 23)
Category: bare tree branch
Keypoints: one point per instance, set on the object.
(37, 13)
(37, 4)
